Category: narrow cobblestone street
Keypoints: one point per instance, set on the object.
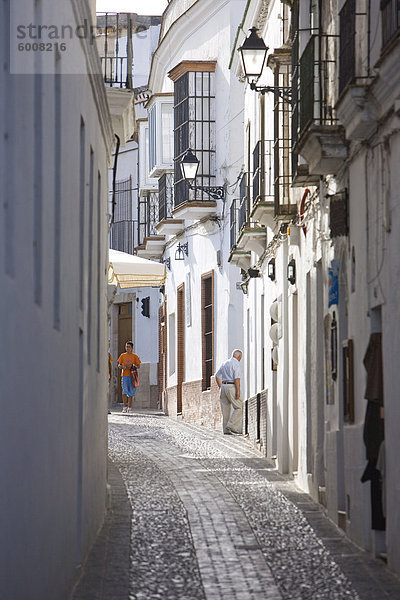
(199, 515)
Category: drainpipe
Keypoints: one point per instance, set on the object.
(115, 177)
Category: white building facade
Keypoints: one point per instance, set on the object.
(317, 236)
(56, 143)
(195, 103)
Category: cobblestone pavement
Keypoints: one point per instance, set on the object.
(201, 516)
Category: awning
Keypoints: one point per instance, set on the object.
(129, 271)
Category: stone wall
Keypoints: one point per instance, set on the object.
(198, 407)
(255, 420)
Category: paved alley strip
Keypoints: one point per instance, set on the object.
(210, 520)
(229, 558)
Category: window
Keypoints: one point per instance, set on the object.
(161, 136)
(167, 127)
(194, 127)
(207, 322)
(152, 137)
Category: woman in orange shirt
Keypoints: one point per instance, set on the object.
(125, 362)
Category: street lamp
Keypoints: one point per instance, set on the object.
(271, 269)
(189, 167)
(253, 54)
(291, 271)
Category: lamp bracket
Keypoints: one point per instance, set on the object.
(283, 92)
(167, 262)
(217, 192)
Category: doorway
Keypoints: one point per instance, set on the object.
(162, 353)
(124, 333)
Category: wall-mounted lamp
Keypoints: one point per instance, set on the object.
(253, 54)
(291, 271)
(271, 269)
(253, 272)
(181, 250)
(189, 167)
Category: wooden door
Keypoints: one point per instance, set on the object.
(181, 345)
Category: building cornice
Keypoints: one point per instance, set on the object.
(196, 16)
(154, 97)
(186, 66)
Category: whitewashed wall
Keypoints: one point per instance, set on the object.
(53, 259)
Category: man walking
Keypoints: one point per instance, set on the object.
(228, 381)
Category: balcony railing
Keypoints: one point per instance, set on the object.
(165, 196)
(263, 171)
(347, 51)
(114, 43)
(390, 10)
(123, 234)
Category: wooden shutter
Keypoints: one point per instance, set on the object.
(180, 343)
(348, 381)
(207, 328)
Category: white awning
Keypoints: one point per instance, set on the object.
(127, 271)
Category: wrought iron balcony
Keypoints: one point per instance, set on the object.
(251, 235)
(262, 209)
(114, 43)
(167, 224)
(239, 257)
(316, 133)
(150, 243)
(243, 212)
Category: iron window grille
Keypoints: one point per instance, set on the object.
(148, 216)
(194, 127)
(123, 234)
(282, 153)
(234, 231)
(347, 47)
(142, 220)
(243, 210)
(152, 214)
(165, 196)
(113, 31)
(390, 11)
